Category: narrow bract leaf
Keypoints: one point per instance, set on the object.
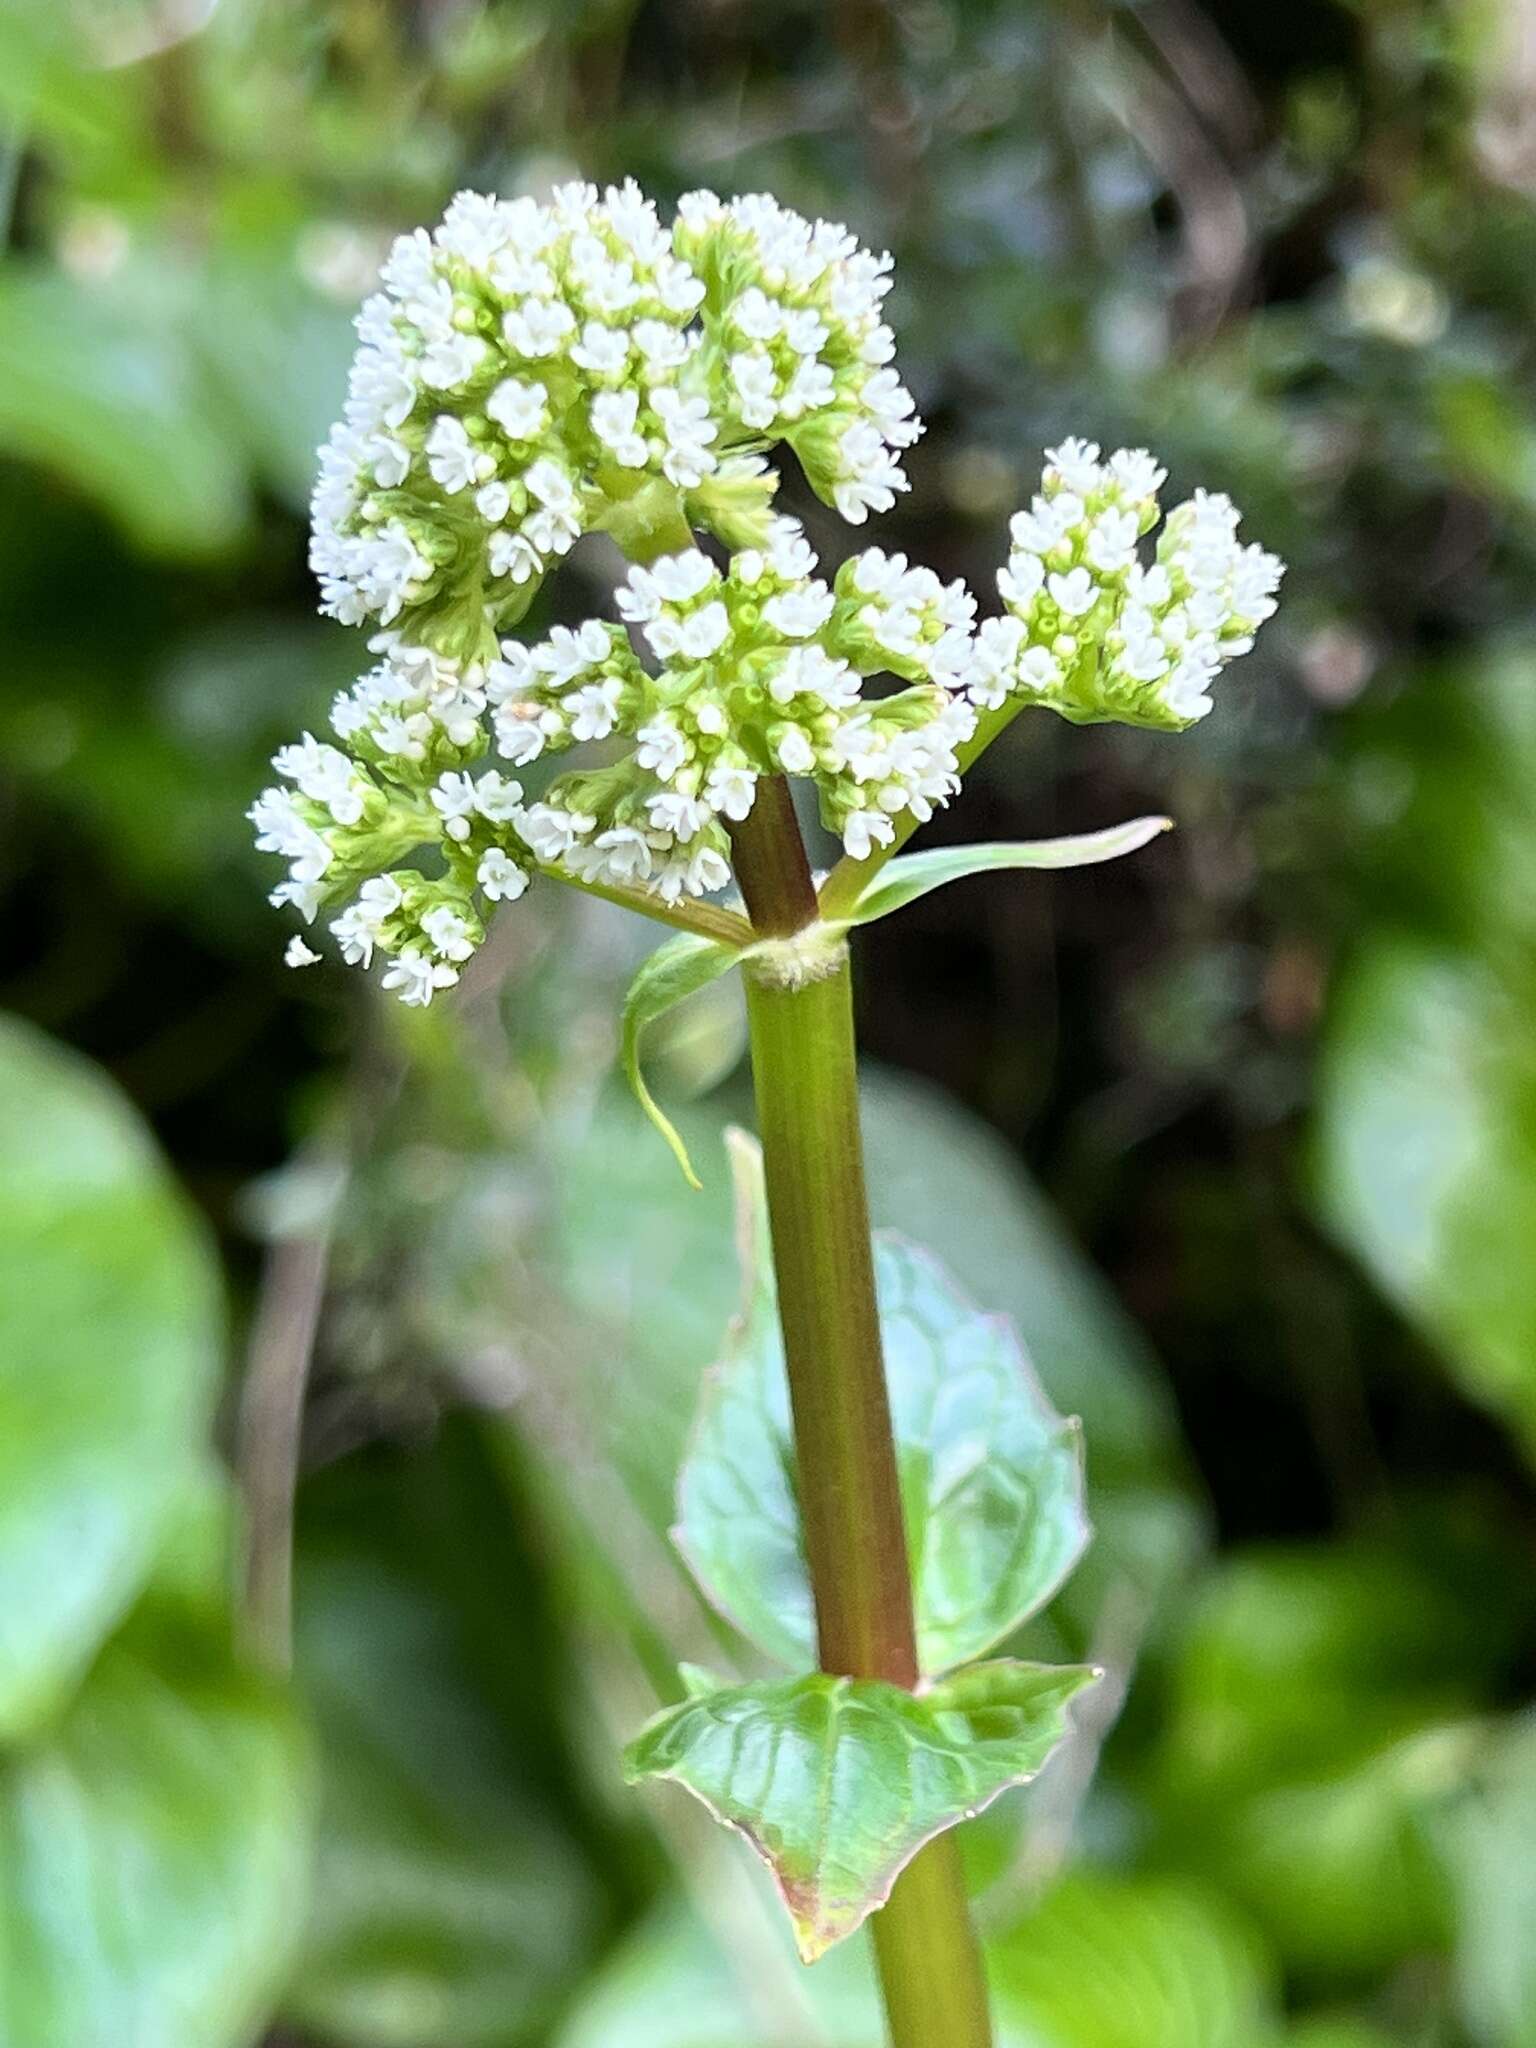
(109, 1352)
(991, 1475)
(676, 969)
(838, 1782)
(902, 880)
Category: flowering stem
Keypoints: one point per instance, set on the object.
(803, 1062)
(710, 920)
(848, 880)
(768, 856)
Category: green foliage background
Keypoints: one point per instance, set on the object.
(1273, 1076)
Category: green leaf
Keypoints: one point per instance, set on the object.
(838, 1782)
(670, 1983)
(1426, 1158)
(106, 393)
(991, 1476)
(154, 1848)
(675, 970)
(910, 875)
(1113, 1962)
(941, 1176)
(1487, 1836)
(109, 1344)
(52, 85)
(1339, 2033)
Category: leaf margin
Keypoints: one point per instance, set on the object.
(814, 1935)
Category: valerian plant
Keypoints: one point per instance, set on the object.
(878, 1491)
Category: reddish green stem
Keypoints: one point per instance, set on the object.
(803, 1060)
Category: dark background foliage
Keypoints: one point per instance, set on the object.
(1271, 1079)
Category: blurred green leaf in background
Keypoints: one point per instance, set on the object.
(1273, 1078)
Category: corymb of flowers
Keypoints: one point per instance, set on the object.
(530, 373)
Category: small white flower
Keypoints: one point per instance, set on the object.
(538, 327)
(594, 709)
(1076, 464)
(454, 801)
(670, 810)
(811, 672)
(679, 578)
(799, 613)
(662, 749)
(626, 853)
(519, 736)
(1112, 541)
(708, 870)
(493, 501)
(448, 933)
(551, 832)
(704, 632)
(1138, 475)
(391, 462)
(613, 422)
(298, 954)
(757, 388)
(554, 487)
(357, 929)
(451, 454)
(304, 897)
(519, 408)
(500, 877)
(796, 755)
(731, 790)
(863, 831)
(451, 360)
(498, 798)
(417, 977)
(1073, 593)
(1037, 670)
(602, 350)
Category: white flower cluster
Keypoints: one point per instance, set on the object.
(797, 349)
(755, 671)
(1094, 632)
(347, 818)
(529, 372)
(759, 671)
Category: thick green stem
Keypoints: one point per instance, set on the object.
(850, 1501)
(931, 1970)
(803, 1060)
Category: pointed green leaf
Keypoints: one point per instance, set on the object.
(838, 1782)
(910, 875)
(109, 1343)
(674, 970)
(991, 1476)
